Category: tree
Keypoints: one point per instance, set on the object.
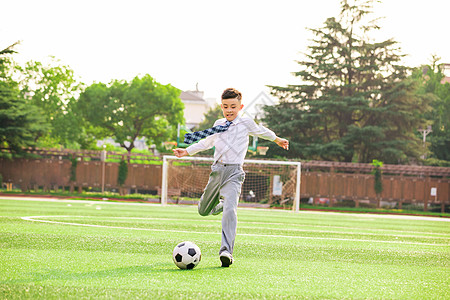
(21, 124)
(127, 110)
(354, 101)
(53, 88)
(431, 77)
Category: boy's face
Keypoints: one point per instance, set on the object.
(231, 108)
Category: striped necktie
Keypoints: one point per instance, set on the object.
(189, 138)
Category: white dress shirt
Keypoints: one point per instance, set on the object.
(231, 145)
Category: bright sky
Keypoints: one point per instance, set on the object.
(218, 44)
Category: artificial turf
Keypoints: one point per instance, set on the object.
(69, 249)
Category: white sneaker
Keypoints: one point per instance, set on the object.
(226, 259)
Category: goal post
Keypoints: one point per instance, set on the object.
(267, 181)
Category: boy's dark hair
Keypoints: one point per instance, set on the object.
(231, 93)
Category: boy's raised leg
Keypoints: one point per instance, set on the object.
(211, 194)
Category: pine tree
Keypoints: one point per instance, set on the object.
(20, 124)
(354, 101)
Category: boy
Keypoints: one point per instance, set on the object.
(222, 192)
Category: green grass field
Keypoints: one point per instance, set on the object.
(103, 250)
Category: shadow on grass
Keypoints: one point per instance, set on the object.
(153, 270)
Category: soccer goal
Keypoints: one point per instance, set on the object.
(267, 182)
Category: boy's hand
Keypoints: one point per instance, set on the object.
(283, 143)
(179, 152)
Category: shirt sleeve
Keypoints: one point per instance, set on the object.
(259, 130)
(204, 144)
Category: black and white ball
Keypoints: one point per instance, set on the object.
(186, 255)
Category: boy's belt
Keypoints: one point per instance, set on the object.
(225, 164)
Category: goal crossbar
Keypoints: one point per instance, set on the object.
(165, 174)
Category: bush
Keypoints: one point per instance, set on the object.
(344, 203)
(73, 169)
(367, 205)
(123, 173)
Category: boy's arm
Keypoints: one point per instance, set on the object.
(265, 133)
(204, 144)
(180, 152)
(259, 130)
(283, 143)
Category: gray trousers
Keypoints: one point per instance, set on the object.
(225, 180)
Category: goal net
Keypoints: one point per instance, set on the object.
(267, 182)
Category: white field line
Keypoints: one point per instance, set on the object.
(346, 232)
(353, 228)
(326, 213)
(38, 219)
(217, 221)
(35, 199)
(380, 216)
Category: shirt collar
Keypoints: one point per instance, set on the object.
(237, 120)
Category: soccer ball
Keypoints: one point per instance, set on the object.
(186, 255)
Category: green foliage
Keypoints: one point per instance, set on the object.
(378, 182)
(437, 162)
(53, 88)
(354, 101)
(21, 124)
(430, 78)
(127, 110)
(123, 172)
(73, 169)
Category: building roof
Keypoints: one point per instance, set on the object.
(192, 96)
